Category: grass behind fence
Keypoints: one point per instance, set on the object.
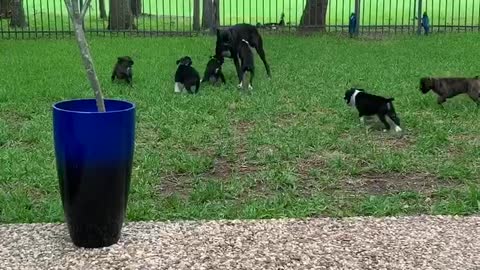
(172, 15)
(292, 148)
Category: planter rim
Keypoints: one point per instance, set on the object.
(56, 107)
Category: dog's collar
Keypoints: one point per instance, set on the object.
(352, 99)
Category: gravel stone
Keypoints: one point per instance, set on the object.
(420, 242)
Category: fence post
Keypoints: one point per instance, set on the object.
(358, 16)
(419, 18)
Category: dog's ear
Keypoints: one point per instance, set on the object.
(119, 59)
(178, 62)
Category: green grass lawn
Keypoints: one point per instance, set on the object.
(176, 15)
(290, 149)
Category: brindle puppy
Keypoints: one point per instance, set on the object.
(447, 88)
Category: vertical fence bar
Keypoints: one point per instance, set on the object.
(156, 17)
(1, 26)
(27, 17)
(89, 12)
(97, 32)
(473, 11)
(41, 17)
(396, 16)
(419, 17)
(363, 17)
(446, 13)
(439, 14)
(403, 15)
(370, 23)
(453, 16)
(466, 10)
(459, 15)
(48, 19)
(376, 15)
(163, 20)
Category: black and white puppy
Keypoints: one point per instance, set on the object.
(248, 66)
(213, 72)
(229, 41)
(370, 105)
(123, 69)
(186, 76)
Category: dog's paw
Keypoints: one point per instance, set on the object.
(240, 85)
(250, 87)
(398, 129)
(385, 130)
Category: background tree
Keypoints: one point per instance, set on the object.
(5, 8)
(103, 12)
(121, 17)
(314, 15)
(211, 14)
(196, 15)
(18, 15)
(136, 7)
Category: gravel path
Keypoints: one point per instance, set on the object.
(423, 242)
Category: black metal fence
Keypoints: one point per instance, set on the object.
(49, 18)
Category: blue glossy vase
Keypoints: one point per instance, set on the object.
(94, 154)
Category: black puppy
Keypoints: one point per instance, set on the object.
(186, 76)
(213, 72)
(447, 88)
(369, 105)
(123, 69)
(228, 42)
(248, 68)
(273, 26)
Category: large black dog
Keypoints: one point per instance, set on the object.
(229, 41)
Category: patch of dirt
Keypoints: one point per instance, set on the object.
(222, 168)
(176, 184)
(307, 183)
(15, 118)
(380, 184)
(388, 141)
(314, 162)
(468, 138)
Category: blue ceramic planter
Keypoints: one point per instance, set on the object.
(94, 153)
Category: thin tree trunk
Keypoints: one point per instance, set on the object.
(314, 15)
(211, 14)
(77, 21)
(103, 12)
(136, 6)
(196, 15)
(5, 8)
(121, 17)
(18, 15)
